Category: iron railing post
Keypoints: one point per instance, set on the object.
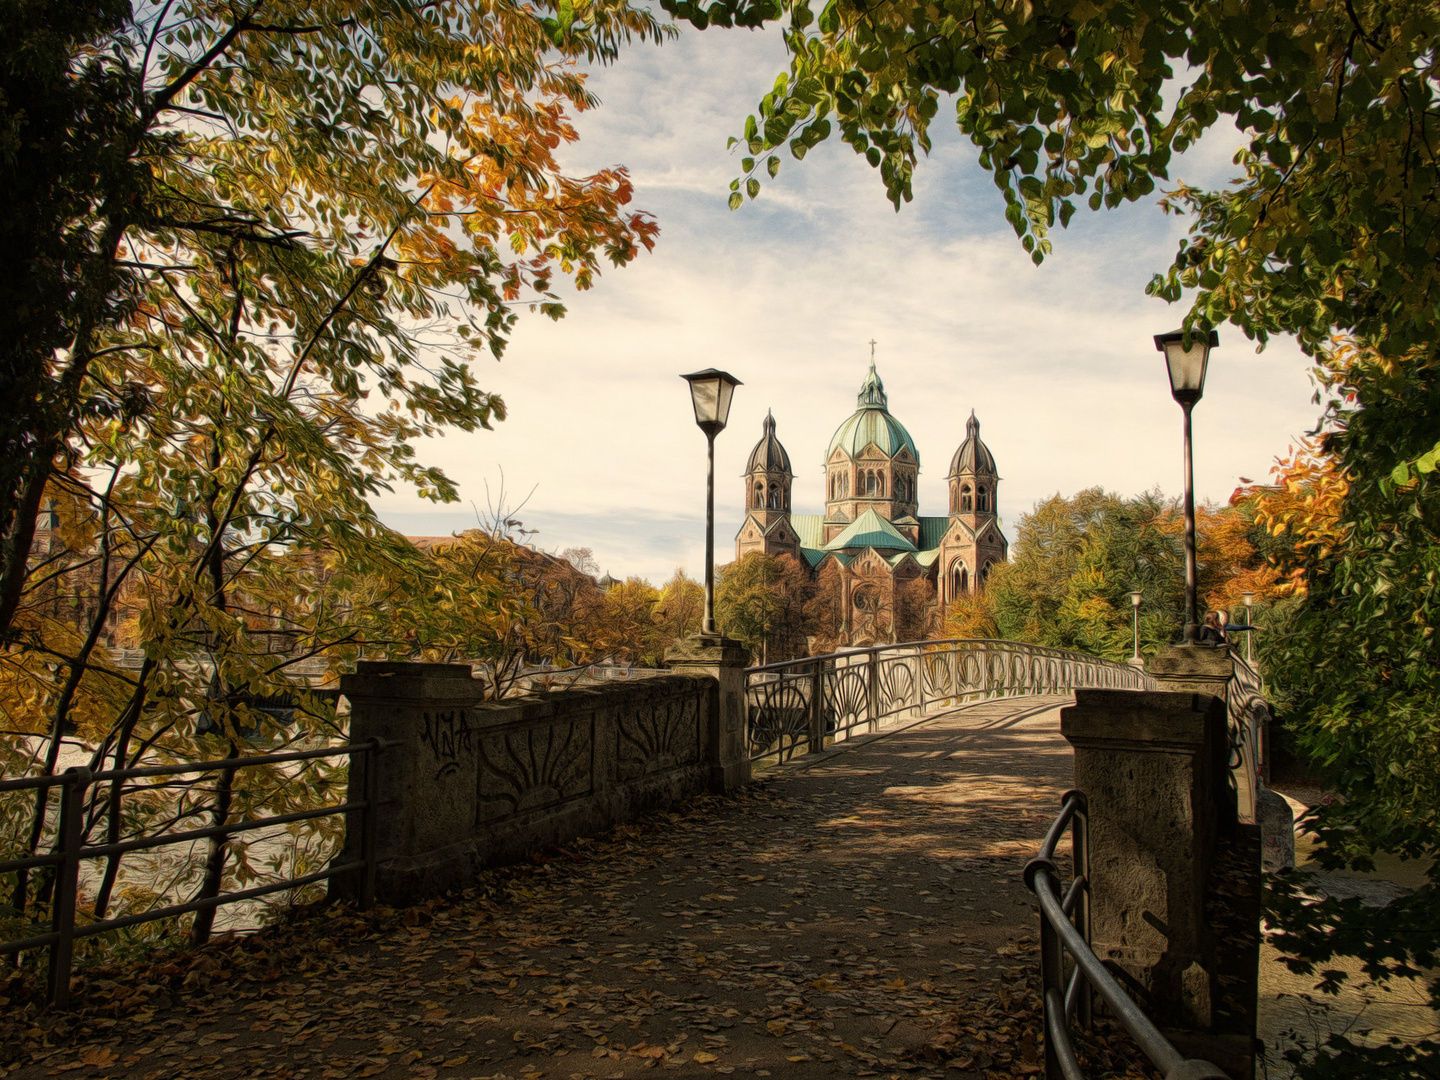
(872, 689)
(1080, 856)
(62, 897)
(817, 707)
(920, 679)
(1052, 977)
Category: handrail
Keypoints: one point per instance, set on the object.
(69, 848)
(803, 703)
(1059, 936)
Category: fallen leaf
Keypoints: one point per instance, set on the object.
(703, 1057)
(99, 1056)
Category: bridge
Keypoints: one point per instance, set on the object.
(856, 909)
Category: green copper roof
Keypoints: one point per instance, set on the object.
(932, 531)
(808, 529)
(927, 558)
(872, 423)
(871, 530)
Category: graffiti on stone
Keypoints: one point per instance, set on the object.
(447, 734)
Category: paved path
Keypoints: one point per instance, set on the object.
(860, 914)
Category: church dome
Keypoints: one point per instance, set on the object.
(872, 423)
(973, 456)
(769, 455)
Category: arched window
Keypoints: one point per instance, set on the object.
(982, 500)
(965, 499)
(774, 496)
(759, 495)
(959, 579)
(869, 483)
(880, 484)
(983, 575)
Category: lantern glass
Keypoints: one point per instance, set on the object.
(1187, 366)
(710, 394)
(1135, 598)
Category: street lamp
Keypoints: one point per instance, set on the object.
(1186, 363)
(1135, 660)
(1249, 598)
(710, 393)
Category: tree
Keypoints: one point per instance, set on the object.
(1082, 102)
(625, 624)
(583, 559)
(760, 601)
(680, 609)
(1077, 560)
(825, 611)
(969, 616)
(296, 191)
(915, 612)
(254, 249)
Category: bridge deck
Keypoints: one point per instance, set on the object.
(859, 912)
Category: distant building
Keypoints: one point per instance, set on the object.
(872, 531)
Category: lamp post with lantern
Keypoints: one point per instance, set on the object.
(1186, 357)
(710, 394)
(1249, 598)
(1136, 660)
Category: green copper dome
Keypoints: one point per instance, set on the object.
(872, 423)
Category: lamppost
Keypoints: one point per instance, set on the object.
(1249, 598)
(1186, 365)
(1136, 660)
(710, 393)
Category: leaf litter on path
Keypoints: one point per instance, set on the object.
(861, 916)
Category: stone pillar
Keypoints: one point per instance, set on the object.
(1196, 669)
(426, 790)
(723, 660)
(1152, 765)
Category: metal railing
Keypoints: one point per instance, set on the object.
(1071, 973)
(1249, 721)
(799, 704)
(68, 849)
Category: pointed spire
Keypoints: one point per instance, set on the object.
(872, 390)
(769, 425)
(972, 426)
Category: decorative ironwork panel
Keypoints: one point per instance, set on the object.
(908, 677)
(778, 710)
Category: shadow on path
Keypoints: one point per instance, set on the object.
(859, 913)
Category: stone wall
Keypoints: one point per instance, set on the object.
(465, 783)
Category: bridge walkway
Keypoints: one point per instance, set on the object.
(859, 912)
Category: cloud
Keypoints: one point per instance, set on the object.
(1057, 362)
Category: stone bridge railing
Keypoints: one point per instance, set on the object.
(803, 705)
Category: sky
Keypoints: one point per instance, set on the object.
(601, 450)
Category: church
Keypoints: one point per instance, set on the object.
(872, 530)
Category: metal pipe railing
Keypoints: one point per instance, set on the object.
(68, 849)
(1065, 931)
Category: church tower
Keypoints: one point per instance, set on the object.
(872, 465)
(973, 541)
(768, 479)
